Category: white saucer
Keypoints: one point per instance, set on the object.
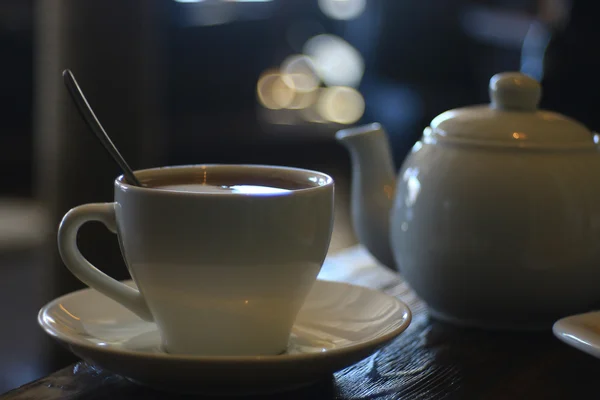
(339, 325)
(581, 331)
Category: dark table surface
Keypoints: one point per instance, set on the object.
(430, 360)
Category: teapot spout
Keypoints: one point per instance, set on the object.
(372, 189)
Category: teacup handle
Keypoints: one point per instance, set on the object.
(83, 269)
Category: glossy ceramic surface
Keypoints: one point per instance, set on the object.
(244, 262)
(338, 325)
(511, 120)
(494, 212)
(581, 331)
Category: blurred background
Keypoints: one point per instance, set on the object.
(236, 81)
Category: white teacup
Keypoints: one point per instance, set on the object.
(221, 270)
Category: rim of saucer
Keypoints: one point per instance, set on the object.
(285, 357)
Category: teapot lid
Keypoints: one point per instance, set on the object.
(512, 119)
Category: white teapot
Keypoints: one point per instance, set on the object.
(494, 218)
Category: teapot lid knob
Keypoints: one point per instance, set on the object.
(514, 91)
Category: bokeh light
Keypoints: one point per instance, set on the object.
(295, 88)
(311, 114)
(299, 73)
(343, 105)
(273, 93)
(337, 63)
(303, 100)
(342, 9)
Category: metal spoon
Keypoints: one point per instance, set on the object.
(90, 118)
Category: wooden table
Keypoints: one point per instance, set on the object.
(430, 360)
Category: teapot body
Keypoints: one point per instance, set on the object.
(494, 218)
(499, 237)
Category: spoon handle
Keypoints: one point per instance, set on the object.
(90, 118)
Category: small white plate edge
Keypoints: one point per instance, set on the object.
(570, 331)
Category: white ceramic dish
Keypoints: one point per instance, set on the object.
(581, 331)
(339, 325)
